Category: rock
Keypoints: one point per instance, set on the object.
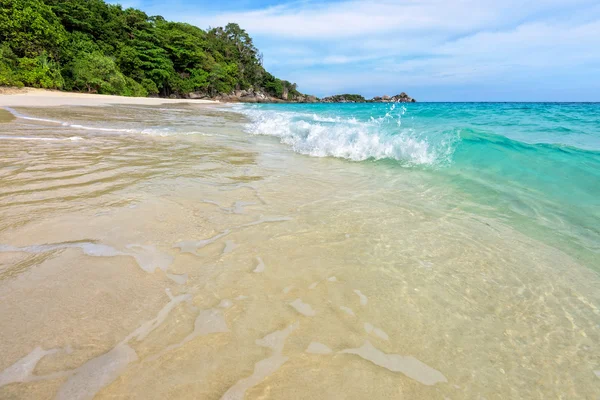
(354, 98)
(252, 95)
(399, 98)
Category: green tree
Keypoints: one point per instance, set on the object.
(30, 28)
(8, 67)
(40, 72)
(96, 73)
(89, 45)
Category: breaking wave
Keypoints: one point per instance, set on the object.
(376, 137)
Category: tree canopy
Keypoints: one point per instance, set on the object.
(92, 46)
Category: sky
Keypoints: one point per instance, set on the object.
(434, 50)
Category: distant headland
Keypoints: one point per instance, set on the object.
(101, 48)
(259, 96)
(357, 98)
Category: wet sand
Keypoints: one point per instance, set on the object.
(138, 260)
(6, 116)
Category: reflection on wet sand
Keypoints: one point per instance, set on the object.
(143, 261)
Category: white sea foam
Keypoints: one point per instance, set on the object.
(349, 138)
(155, 131)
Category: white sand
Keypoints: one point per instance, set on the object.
(49, 98)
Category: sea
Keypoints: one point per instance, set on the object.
(300, 251)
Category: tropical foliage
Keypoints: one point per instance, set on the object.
(92, 46)
(345, 98)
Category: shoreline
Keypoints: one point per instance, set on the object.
(31, 97)
(150, 255)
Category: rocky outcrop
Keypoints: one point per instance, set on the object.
(252, 96)
(259, 96)
(356, 98)
(344, 98)
(399, 98)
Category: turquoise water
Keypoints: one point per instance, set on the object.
(535, 166)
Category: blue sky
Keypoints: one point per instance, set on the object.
(435, 50)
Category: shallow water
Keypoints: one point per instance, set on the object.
(166, 252)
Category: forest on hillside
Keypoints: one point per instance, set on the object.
(92, 46)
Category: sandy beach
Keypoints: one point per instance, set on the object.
(30, 97)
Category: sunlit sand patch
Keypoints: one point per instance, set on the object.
(229, 246)
(407, 365)
(193, 246)
(226, 303)
(180, 279)
(249, 186)
(332, 279)
(313, 285)
(318, 348)
(303, 308)
(347, 310)
(376, 331)
(238, 206)
(147, 257)
(88, 379)
(287, 289)
(274, 341)
(146, 328)
(22, 370)
(363, 299)
(207, 322)
(260, 267)
(266, 220)
(97, 373)
(214, 203)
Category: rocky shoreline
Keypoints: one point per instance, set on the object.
(252, 96)
(258, 96)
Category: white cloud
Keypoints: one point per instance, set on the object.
(368, 45)
(326, 21)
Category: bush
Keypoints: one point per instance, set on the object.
(97, 73)
(8, 66)
(40, 72)
(133, 88)
(149, 86)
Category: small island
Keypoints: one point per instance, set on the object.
(357, 98)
